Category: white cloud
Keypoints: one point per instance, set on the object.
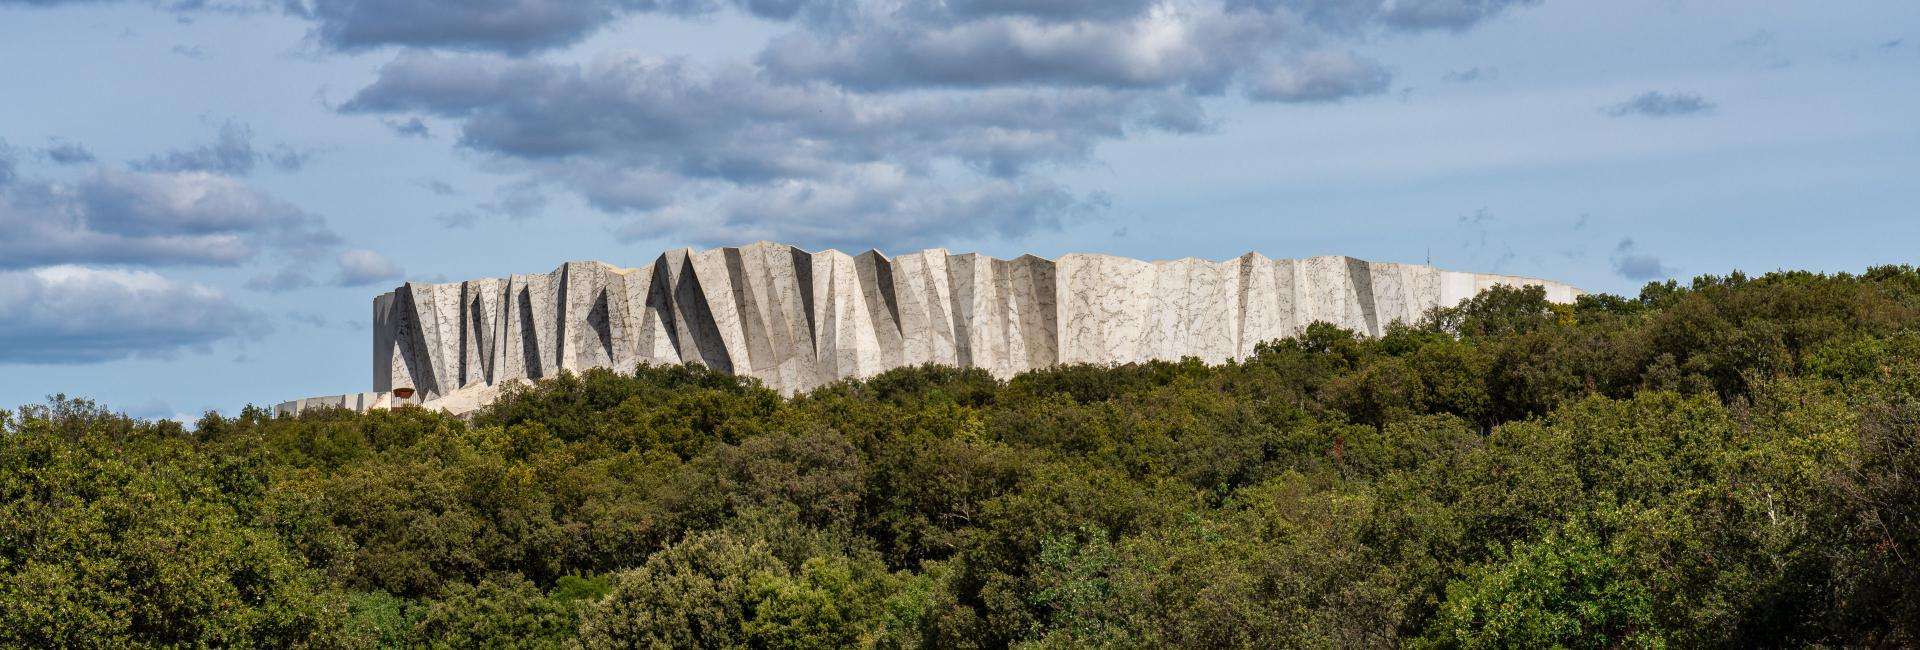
(359, 268)
(79, 314)
(1320, 77)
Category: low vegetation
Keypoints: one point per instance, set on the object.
(1732, 463)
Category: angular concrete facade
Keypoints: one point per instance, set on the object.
(797, 320)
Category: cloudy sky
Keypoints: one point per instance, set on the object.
(199, 198)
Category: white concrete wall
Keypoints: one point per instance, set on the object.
(797, 320)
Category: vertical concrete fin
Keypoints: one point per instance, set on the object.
(797, 320)
(383, 341)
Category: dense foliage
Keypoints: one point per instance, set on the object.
(1731, 463)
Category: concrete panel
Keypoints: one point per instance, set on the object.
(797, 320)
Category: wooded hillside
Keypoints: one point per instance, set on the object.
(1731, 463)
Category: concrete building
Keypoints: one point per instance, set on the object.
(797, 320)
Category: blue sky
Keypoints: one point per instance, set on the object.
(199, 198)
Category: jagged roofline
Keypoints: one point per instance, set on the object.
(797, 319)
(883, 256)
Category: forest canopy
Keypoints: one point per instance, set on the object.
(1733, 462)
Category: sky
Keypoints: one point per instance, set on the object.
(199, 199)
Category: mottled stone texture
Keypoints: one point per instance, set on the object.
(797, 320)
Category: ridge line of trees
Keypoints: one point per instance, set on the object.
(1729, 463)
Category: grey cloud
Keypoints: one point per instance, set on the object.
(1632, 264)
(194, 52)
(951, 97)
(1058, 10)
(1199, 47)
(141, 218)
(521, 27)
(811, 12)
(1448, 15)
(452, 86)
(776, 9)
(616, 189)
(231, 153)
(67, 153)
(631, 134)
(511, 26)
(1199, 51)
(408, 128)
(288, 279)
(628, 113)
(1659, 104)
(183, 7)
(359, 268)
(1320, 77)
(76, 314)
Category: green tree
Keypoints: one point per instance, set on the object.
(1566, 590)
